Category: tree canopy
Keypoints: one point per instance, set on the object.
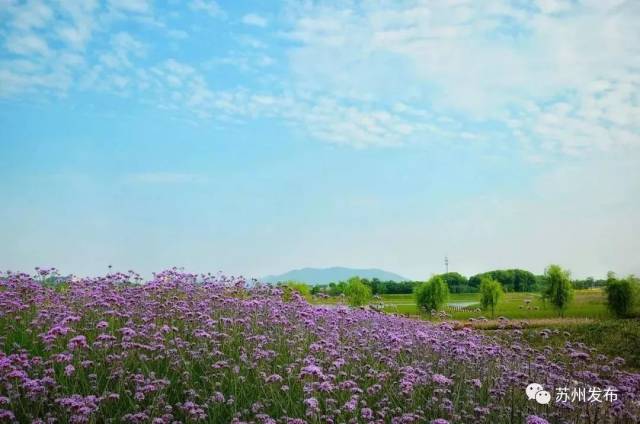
(518, 280)
(456, 282)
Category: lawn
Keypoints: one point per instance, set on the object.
(589, 303)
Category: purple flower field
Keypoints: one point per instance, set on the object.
(184, 348)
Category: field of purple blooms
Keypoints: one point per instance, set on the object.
(187, 348)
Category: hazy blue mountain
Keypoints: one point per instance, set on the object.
(334, 274)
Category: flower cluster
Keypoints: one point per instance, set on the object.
(205, 348)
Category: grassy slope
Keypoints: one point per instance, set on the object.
(587, 320)
(610, 337)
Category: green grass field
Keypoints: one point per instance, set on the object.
(588, 303)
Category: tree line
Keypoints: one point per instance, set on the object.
(555, 286)
(511, 280)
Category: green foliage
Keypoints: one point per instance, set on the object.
(377, 287)
(357, 293)
(295, 286)
(392, 287)
(336, 289)
(558, 289)
(456, 283)
(588, 283)
(433, 294)
(518, 280)
(622, 294)
(490, 293)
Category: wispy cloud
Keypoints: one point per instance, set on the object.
(493, 61)
(27, 44)
(31, 15)
(254, 20)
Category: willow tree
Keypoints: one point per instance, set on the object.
(357, 292)
(433, 294)
(490, 293)
(558, 289)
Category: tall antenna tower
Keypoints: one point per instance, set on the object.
(446, 263)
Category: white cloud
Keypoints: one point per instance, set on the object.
(208, 6)
(132, 6)
(33, 14)
(27, 44)
(557, 76)
(554, 6)
(180, 87)
(26, 76)
(243, 61)
(74, 36)
(119, 58)
(117, 69)
(329, 120)
(78, 31)
(254, 20)
(48, 40)
(484, 60)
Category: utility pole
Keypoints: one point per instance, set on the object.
(446, 263)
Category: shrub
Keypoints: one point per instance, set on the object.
(433, 294)
(622, 295)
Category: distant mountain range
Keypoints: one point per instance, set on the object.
(334, 274)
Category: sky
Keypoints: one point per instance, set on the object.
(255, 137)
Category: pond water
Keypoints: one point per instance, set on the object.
(461, 304)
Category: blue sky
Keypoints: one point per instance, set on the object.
(256, 137)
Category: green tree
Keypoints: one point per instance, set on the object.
(336, 289)
(456, 282)
(358, 293)
(518, 280)
(558, 289)
(433, 294)
(622, 294)
(490, 293)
